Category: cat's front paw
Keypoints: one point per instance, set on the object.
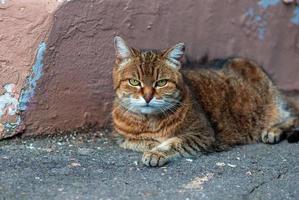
(154, 158)
(271, 136)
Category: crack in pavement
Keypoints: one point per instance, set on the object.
(253, 190)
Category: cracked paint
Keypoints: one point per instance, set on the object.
(259, 21)
(10, 104)
(256, 25)
(269, 3)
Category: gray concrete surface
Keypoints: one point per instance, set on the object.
(94, 167)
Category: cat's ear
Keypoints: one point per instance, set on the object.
(175, 55)
(123, 51)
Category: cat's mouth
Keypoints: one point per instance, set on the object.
(154, 107)
(148, 109)
(146, 106)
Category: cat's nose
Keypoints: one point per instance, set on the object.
(148, 94)
(148, 98)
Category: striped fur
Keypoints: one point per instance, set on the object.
(199, 110)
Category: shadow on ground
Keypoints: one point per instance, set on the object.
(94, 167)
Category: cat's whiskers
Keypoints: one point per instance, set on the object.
(164, 111)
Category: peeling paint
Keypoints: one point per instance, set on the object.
(258, 18)
(28, 91)
(295, 19)
(257, 33)
(249, 12)
(8, 107)
(8, 101)
(268, 3)
(261, 32)
(10, 126)
(259, 21)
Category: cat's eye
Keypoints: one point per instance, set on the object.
(134, 82)
(161, 83)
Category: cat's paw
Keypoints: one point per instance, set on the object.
(154, 158)
(271, 136)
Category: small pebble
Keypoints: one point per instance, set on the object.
(249, 173)
(74, 165)
(230, 165)
(84, 151)
(220, 164)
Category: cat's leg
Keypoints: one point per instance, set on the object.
(185, 146)
(138, 144)
(275, 134)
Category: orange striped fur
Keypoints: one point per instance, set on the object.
(165, 111)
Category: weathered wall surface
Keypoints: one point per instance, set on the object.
(76, 87)
(23, 25)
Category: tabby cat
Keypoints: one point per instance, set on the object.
(165, 111)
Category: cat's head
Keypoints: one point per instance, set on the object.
(148, 82)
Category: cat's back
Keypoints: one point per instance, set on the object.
(239, 68)
(236, 94)
(224, 74)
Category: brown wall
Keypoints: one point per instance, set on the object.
(76, 89)
(23, 25)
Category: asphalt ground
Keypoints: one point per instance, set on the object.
(92, 166)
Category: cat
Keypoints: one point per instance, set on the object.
(165, 110)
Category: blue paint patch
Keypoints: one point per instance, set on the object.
(259, 21)
(9, 104)
(295, 19)
(36, 74)
(261, 32)
(267, 3)
(249, 12)
(258, 18)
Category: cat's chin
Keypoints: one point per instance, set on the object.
(148, 110)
